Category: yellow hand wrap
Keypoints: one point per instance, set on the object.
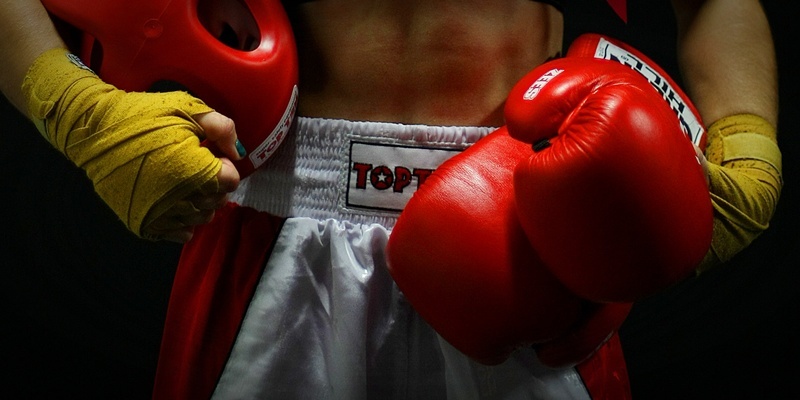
(745, 183)
(141, 150)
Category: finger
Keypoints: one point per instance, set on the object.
(164, 225)
(178, 229)
(179, 236)
(701, 158)
(178, 222)
(174, 219)
(227, 177)
(212, 201)
(199, 218)
(184, 213)
(221, 131)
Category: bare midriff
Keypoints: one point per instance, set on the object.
(434, 62)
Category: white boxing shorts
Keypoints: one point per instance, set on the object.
(286, 294)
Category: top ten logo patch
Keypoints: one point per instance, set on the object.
(383, 177)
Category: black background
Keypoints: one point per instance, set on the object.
(83, 301)
(734, 332)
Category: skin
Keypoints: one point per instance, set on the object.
(440, 62)
(430, 62)
(21, 47)
(727, 30)
(404, 62)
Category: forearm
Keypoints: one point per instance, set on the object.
(27, 32)
(728, 63)
(727, 58)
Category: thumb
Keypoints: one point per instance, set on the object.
(221, 131)
(701, 158)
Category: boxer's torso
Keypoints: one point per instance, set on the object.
(433, 62)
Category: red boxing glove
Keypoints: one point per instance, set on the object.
(612, 197)
(462, 260)
(460, 257)
(594, 328)
(605, 48)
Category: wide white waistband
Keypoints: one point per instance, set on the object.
(362, 172)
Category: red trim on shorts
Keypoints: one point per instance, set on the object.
(214, 283)
(605, 374)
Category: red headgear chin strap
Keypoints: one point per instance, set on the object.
(149, 41)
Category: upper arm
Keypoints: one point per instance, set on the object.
(26, 31)
(727, 59)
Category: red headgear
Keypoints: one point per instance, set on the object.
(136, 44)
